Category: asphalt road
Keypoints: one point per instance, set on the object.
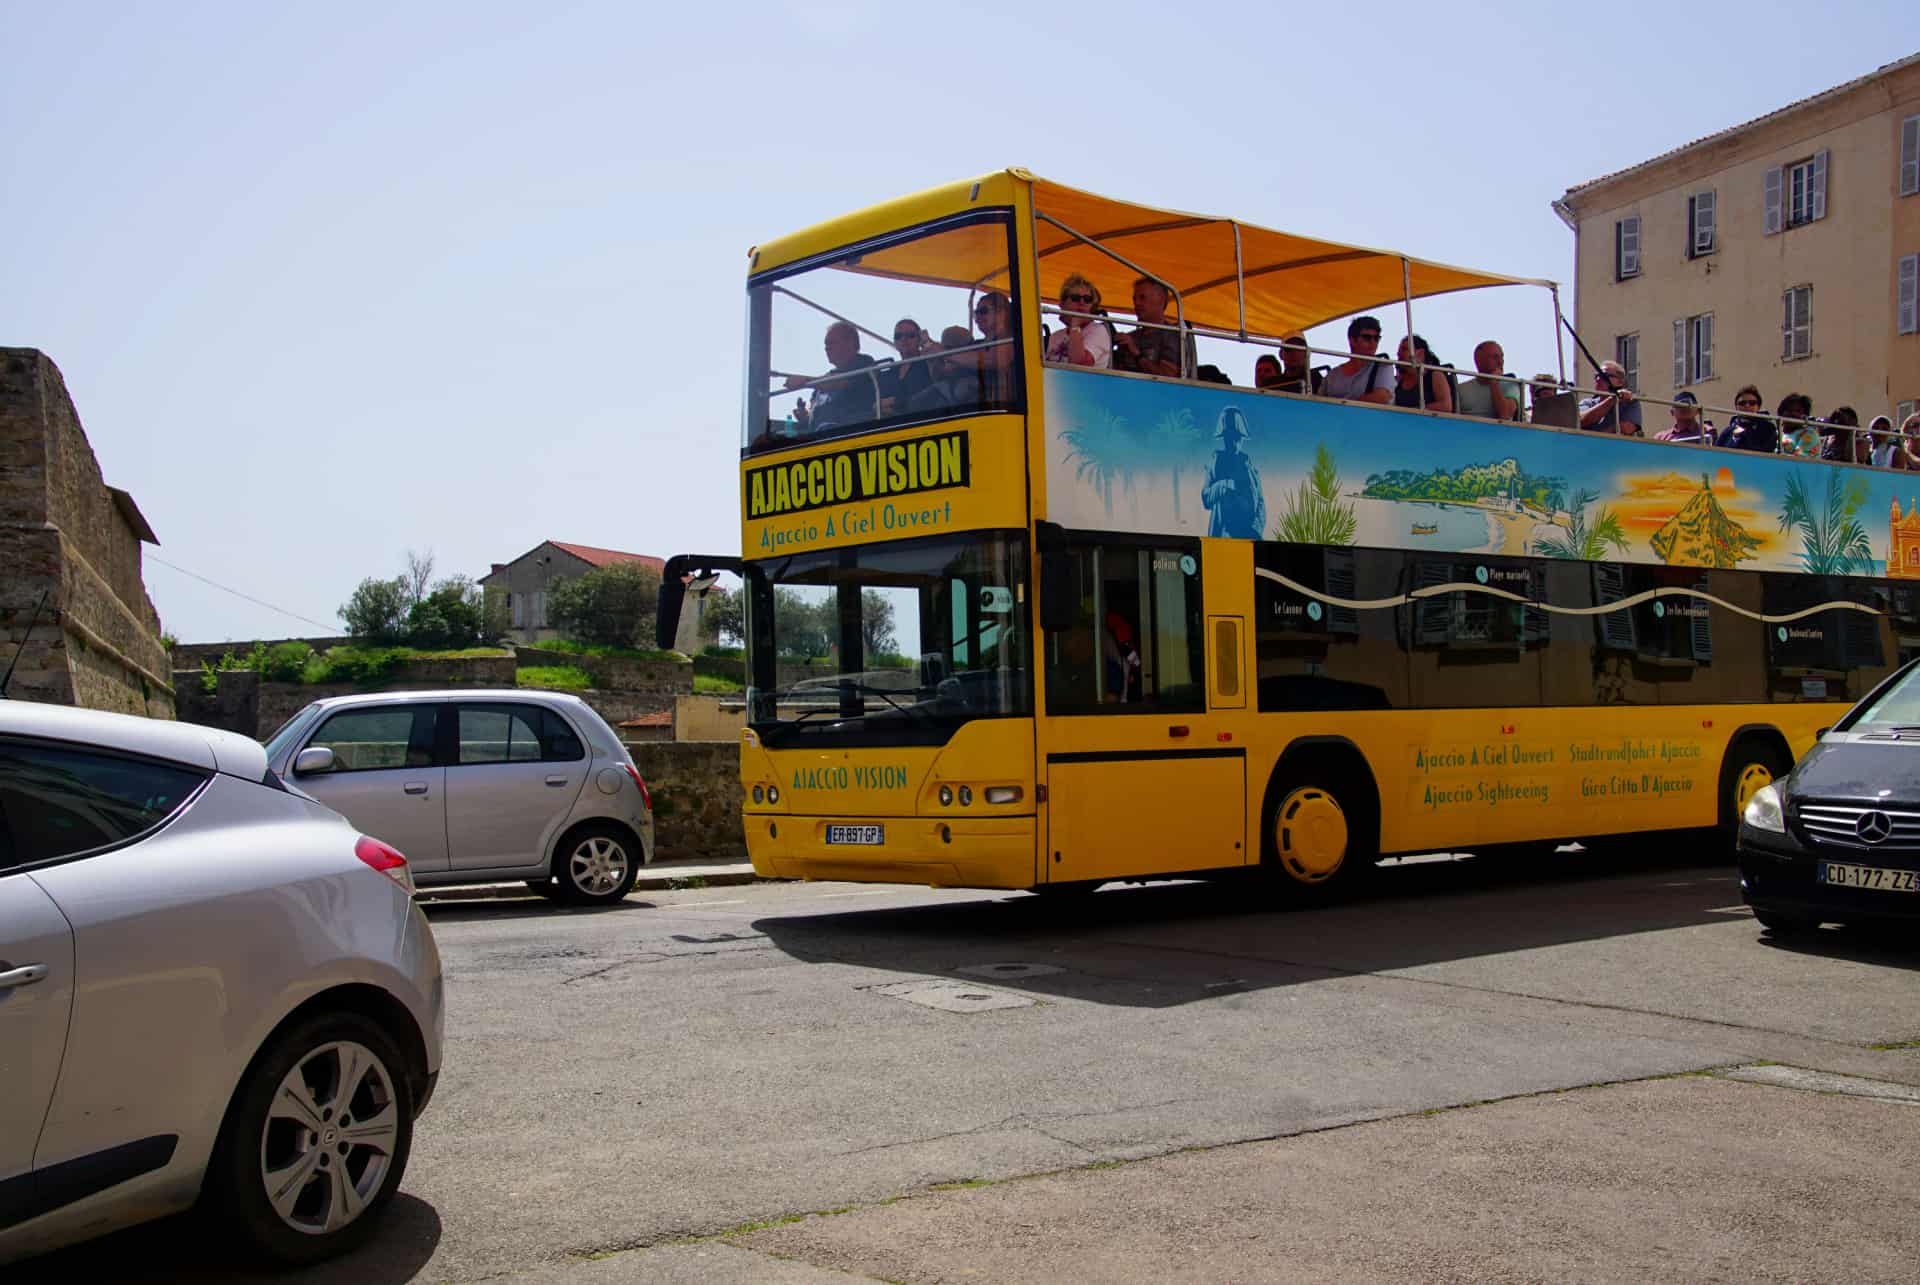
(697, 1062)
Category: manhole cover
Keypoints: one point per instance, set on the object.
(953, 997)
(1010, 971)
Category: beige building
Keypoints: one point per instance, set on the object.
(1782, 253)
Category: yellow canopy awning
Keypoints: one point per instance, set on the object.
(1290, 282)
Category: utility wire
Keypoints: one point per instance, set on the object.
(333, 628)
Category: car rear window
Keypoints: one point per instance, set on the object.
(57, 801)
(513, 733)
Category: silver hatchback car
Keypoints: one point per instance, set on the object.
(479, 786)
(212, 991)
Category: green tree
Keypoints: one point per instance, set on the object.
(450, 615)
(804, 625)
(377, 611)
(723, 617)
(876, 625)
(612, 606)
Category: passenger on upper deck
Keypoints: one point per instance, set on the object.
(1491, 393)
(845, 395)
(957, 382)
(1749, 429)
(1797, 436)
(1082, 340)
(1614, 410)
(1296, 375)
(1687, 425)
(1266, 371)
(1845, 441)
(1358, 379)
(993, 315)
(899, 384)
(1149, 350)
(1406, 388)
(1880, 433)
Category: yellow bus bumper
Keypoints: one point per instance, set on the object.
(940, 852)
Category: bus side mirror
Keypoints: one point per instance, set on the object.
(666, 620)
(1059, 592)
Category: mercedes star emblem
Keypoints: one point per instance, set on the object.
(1873, 827)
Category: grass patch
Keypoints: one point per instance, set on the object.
(1897, 1046)
(687, 883)
(714, 685)
(608, 652)
(554, 678)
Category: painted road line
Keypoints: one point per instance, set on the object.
(1854, 1086)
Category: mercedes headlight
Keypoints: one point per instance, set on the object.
(1765, 812)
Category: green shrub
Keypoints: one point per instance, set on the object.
(559, 678)
(574, 647)
(377, 611)
(611, 605)
(714, 685)
(353, 664)
(284, 662)
(723, 653)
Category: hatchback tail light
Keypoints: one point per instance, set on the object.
(386, 859)
(646, 799)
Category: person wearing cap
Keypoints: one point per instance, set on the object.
(1231, 492)
(1613, 408)
(1880, 433)
(1122, 659)
(1687, 425)
(1295, 374)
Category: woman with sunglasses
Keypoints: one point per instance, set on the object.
(1749, 429)
(1083, 339)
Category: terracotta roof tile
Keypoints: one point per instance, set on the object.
(663, 719)
(608, 557)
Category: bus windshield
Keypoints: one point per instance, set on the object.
(913, 327)
(896, 643)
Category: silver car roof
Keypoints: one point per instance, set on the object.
(202, 747)
(531, 695)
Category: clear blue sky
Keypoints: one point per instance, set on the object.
(331, 284)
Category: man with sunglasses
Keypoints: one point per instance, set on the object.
(1614, 409)
(1749, 429)
(1151, 348)
(1358, 379)
(901, 382)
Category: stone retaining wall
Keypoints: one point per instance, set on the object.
(696, 799)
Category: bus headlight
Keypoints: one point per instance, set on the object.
(966, 796)
(773, 794)
(1003, 794)
(946, 796)
(1764, 811)
(759, 795)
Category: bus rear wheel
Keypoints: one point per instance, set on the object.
(1319, 838)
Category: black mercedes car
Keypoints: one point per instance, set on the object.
(1837, 840)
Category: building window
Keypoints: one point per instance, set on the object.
(1796, 323)
(1701, 228)
(1626, 248)
(1901, 412)
(1692, 350)
(1795, 194)
(1910, 156)
(1908, 317)
(1626, 351)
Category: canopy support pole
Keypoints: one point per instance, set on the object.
(1406, 297)
(1559, 344)
(1239, 282)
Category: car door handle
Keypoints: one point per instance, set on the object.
(22, 975)
(415, 787)
(556, 780)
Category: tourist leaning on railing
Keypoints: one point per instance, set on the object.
(1797, 435)
(1491, 393)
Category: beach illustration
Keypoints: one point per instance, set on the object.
(1142, 455)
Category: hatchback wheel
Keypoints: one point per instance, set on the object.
(316, 1141)
(596, 865)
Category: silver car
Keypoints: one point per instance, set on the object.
(479, 786)
(212, 991)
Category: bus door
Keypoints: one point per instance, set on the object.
(1142, 774)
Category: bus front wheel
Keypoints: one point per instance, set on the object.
(1752, 763)
(1319, 838)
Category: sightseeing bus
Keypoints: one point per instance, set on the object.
(1023, 623)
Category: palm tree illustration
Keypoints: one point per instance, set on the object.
(1833, 542)
(1178, 439)
(1581, 542)
(1314, 513)
(1099, 451)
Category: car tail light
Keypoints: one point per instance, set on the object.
(386, 859)
(646, 800)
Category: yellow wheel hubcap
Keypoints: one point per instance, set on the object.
(1753, 777)
(1310, 832)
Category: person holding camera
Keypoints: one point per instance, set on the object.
(1749, 429)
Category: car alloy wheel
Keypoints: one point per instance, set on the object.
(330, 1137)
(596, 865)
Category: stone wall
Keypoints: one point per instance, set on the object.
(194, 655)
(696, 799)
(65, 534)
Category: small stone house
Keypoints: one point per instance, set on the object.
(67, 536)
(528, 579)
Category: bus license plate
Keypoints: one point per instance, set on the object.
(867, 835)
(1872, 878)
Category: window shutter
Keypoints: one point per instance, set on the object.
(1817, 199)
(1614, 627)
(1786, 324)
(1803, 321)
(1909, 289)
(1679, 354)
(1910, 156)
(1770, 198)
(1703, 223)
(1703, 349)
(1630, 246)
(1701, 626)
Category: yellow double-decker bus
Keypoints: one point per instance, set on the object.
(1034, 601)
